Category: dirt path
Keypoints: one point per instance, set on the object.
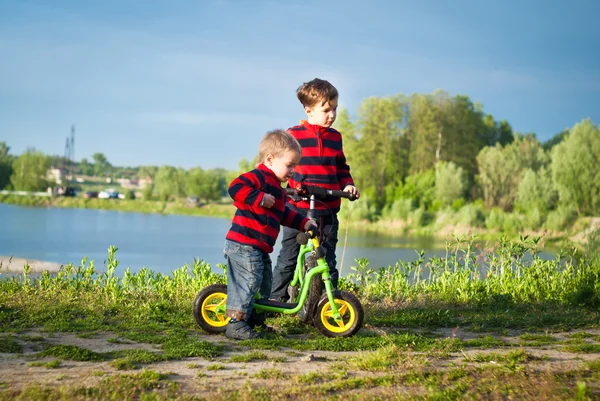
(203, 377)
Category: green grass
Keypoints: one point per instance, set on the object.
(71, 352)
(401, 346)
(9, 344)
(249, 357)
(537, 340)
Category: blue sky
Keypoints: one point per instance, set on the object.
(197, 83)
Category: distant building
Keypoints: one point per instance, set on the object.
(56, 174)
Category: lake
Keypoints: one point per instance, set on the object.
(162, 243)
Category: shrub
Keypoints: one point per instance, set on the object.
(495, 219)
(399, 210)
(560, 218)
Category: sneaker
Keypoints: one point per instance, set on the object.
(240, 330)
(257, 321)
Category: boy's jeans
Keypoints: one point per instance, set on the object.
(288, 255)
(248, 271)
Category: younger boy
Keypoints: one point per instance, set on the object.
(261, 209)
(324, 164)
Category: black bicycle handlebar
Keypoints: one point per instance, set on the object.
(307, 190)
(302, 238)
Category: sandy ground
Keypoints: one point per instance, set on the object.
(15, 265)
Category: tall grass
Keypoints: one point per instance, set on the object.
(512, 272)
(136, 305)
(84, 281)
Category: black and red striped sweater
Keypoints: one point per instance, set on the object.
(323, 162)
(253, 224)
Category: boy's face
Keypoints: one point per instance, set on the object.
(283, 166)
(322, 114)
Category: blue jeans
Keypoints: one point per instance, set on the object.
(283, 273)
(248, 272)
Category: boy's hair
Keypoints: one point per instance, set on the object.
(277, 142)
(315, 91)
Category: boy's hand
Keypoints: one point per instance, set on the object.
(268, 201)
(353, 190)
(310, 224)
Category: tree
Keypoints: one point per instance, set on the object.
(6, 168)
(575, 170)
(147, 172)
(30, 170)
(450, 183)
(85, 168)
(536, 190)
(555, 140)
(167, 183)
(379, 151)
(101, 165)
(501, 169)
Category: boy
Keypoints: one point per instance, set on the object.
(324, 164)
(261, 208)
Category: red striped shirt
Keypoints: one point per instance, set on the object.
(323, 162)
(255, 225)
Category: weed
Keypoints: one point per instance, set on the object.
(583, 348)
(71, 352)
(53, 365)
(484, 342)
(536, 340)
(9, 344)
(270, 374)
(215, 366)
(249, 357)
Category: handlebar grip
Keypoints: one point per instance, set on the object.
(290, 191)
(342, 194)
(302, 238)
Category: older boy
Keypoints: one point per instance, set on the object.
(324, 164)
(261, 209)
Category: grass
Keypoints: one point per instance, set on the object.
(413, 346)
(71, 352)
(249, 357)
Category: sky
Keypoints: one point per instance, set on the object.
(197, 83)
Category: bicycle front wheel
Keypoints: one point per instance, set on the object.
(350, 309)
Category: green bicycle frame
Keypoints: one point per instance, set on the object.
(322, 268)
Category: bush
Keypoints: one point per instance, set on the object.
(513, 223)
(495, 220)
(129, 194)
(399, 210)
(471, 215)
(560, 218)
(450, 183)
(362, 209)
(533, 218)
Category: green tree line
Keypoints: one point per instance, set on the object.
(432, 152)
(413, 156)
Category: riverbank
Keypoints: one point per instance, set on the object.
(17, 265)
(444, 225)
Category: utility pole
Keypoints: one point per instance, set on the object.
(69, 156)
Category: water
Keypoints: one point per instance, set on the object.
(165, 243)
(161, 243)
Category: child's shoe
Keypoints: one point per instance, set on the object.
(257, 320)
(240, 330)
